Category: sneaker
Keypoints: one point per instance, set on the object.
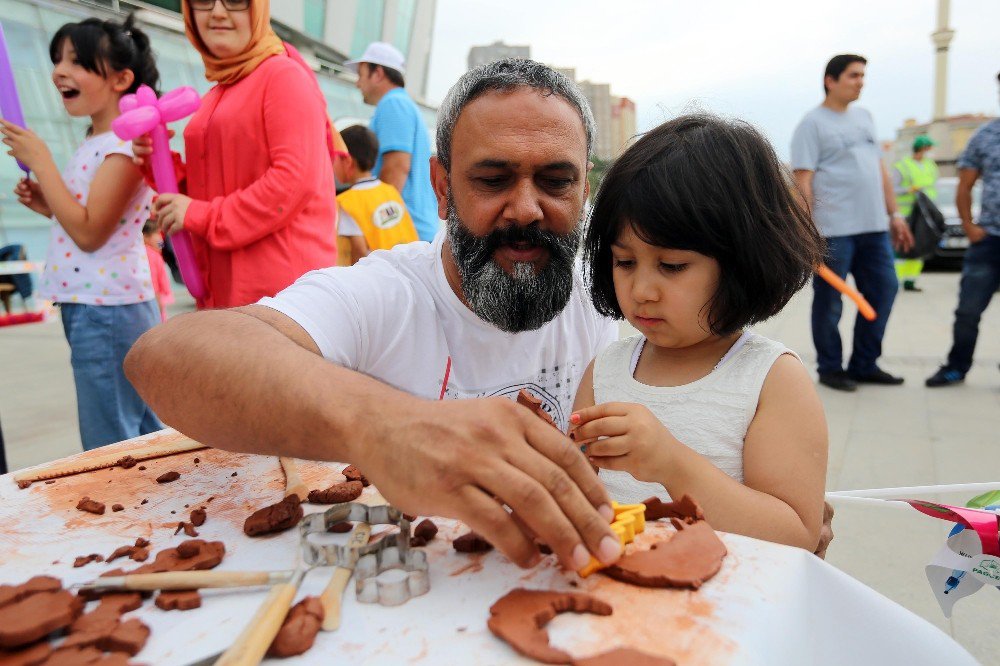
(945, 376)
(909, 285)
(878, 376)
(839, 381)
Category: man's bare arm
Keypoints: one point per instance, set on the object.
(250, 380)
(804, 181)
(963, 202)
(395, 169)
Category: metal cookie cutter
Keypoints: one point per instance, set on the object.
(370, 561)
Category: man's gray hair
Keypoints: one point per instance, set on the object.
(506, 75)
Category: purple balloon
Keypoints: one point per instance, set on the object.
(10, 103)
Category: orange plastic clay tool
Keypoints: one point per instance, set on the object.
(835, 281)
(630, 519)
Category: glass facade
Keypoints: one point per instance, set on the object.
(29, 27)
(405, 11)
(314, 18)
(367, 25)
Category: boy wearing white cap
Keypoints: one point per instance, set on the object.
(404, 146)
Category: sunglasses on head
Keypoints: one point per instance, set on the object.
(230, 5)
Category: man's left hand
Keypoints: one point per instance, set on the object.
(25, 145)
(902, 237)
(169, 210)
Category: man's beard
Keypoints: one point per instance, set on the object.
(522, 300)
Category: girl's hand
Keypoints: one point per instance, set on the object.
(25, 145)
(29, 193)
(635, 440)
(169, 210)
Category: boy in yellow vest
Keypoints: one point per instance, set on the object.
(911, 175)
(372, 213)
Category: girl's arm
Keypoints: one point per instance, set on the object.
(784, 460)
(112, 188)
(293, 122)
(92, 225)
(784, 466)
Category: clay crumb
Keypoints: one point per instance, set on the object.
(127, 462)
(167, 477)
(87, 559)
(178, 600)
(144, 501)
(187, 527)
(340, 528)
(352, 473)
(23, 484)
(233, 474)
(471, 542)
(50, 482)
(117, 507)
(197, 460)
(90, 506)
(142, 467)
(198, 517)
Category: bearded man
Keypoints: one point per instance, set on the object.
(349, 364)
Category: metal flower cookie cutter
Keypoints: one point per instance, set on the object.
(386, 571)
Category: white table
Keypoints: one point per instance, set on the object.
(770, 604)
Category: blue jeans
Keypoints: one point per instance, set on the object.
(980, 280)
(869, 258)
(99, 336)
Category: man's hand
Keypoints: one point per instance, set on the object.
(974, 232)
(169, 210)
(902, 237)
(30, 194)
(25, 146)
(633, 439)
(473, 459)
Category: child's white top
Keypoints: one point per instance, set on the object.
(710, 415)
(118, 272)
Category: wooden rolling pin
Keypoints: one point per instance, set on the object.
(186, 580)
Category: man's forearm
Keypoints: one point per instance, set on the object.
(260, 394)
(963, 202)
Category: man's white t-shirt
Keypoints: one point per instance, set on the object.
(394, 316)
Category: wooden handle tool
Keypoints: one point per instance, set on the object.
(187, 580)
(89, 463)
(252, 643)
(293, 482)
(334, 591)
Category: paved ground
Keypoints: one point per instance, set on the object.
(879, 437)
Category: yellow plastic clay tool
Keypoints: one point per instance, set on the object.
(630, 519)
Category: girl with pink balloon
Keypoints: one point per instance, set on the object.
(96, 269)
(257, 189)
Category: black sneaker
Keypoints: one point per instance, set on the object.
(909, 285)
(879, 376)
(839, 381)
(945, 376)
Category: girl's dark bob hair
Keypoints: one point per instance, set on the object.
(716, 187)
(101, 46)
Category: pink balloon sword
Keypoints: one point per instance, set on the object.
(10, 103)
(143, 113)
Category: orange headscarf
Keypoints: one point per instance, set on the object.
(264, 43)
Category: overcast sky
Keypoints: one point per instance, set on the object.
(762, 61)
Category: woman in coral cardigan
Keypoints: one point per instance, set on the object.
(258, 185)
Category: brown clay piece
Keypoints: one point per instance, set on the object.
(470, 542)
(274, 518)
(11, 593)
(36, 616)
(423, 533)
(520, 616)
(178, 600)
(117, 507)
(127, 462)
(198, 517)
(28, 656)
(348, 491)
(624, 656)
(167, 477)
(84, 560)
(352, 473)
(141, 543)
(340, 528)
(87, 656)
(142, 467)
(188, 528)
(90, 506)
(190, 555)
(298, 632)
(685, 509)
(526, 399)
(689, 558)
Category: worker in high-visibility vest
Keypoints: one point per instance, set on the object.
(909, 176)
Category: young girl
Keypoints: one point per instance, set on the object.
(153, 240)
(96, 269)
(695, 235)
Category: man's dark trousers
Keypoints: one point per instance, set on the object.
(980, 280)
(869, 258)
